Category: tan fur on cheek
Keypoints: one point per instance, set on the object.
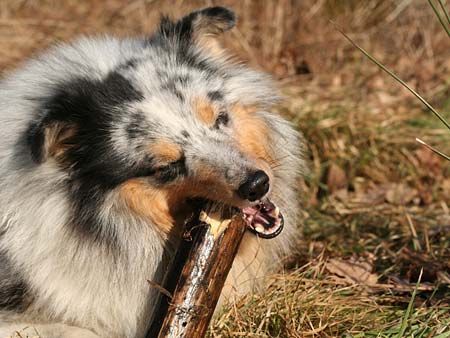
(252, 134)
(165, 151)
(148, 203)
(208, 183)
(168, 209)
(204, 111)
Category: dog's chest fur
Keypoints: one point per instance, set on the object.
(85, 283)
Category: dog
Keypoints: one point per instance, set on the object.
(105, 144)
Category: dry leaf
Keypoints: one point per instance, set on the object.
(373, 196)
(353, 272)
(337, 178)
(429, 161)
(400, 194)
(446, 187)
(426, 194)
(385, 98)
(341, 194)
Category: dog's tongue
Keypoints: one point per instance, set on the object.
(265, 219)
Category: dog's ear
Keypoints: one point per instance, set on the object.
(49, 138)
(194, 27)
(211, 21)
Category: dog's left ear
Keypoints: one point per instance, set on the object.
(211, 21)
(196, 26)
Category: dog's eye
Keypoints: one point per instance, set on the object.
(222, 119)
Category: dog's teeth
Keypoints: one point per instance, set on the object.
(275, 212)
(259, 228)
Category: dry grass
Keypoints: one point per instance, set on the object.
(374, 198)
(386, 205)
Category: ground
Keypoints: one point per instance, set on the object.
(374, 260)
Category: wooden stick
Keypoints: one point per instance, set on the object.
(204, 261)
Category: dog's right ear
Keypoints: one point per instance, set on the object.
(49, 138)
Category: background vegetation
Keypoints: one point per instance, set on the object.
(376, 202)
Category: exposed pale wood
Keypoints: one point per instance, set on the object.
(200, 269)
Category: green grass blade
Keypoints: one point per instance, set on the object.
(435, 10)
(409, 308)
(447, 16)
(433, 149)
(393, 75)
(443, 335)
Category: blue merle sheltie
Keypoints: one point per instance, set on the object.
(104, 144)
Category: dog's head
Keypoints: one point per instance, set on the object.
(174, 121)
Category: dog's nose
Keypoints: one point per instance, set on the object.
(255, 186)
